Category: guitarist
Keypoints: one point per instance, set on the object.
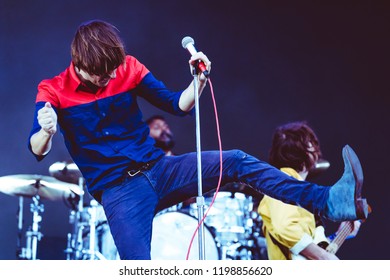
(292, 232)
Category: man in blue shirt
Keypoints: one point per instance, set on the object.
(94, 102)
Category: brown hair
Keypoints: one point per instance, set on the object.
(97, 48)
(292, 145)
(155, 117)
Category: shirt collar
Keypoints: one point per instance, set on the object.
(76, 83)
(74, 79)
(290, 171)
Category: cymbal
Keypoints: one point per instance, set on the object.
(67, 172)
(30, 185)
(321, 166)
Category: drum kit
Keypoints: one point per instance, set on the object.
(232, 227)
(37, 188)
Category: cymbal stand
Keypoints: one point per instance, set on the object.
(20, 227)
(33, 235)
(92, 253)
(75, 240)
(75, 248)
(92, 230)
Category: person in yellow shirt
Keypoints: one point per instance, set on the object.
(292, 232)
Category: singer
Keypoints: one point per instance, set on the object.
(94, 103)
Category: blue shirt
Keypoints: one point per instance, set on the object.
(103, 130)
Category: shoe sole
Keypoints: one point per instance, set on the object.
(360, 203)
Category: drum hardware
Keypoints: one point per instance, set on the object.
(229, 252)
(231, 232)
(247, 249)
(36, 187)
(20, 227)
(91, 252)
(85, 240)
(232, 228)
(91, 238)
(65, 171)
(229, 216)
(33, 235)
(75, 249)
(83, 219)
(172, 233)
(234, 223)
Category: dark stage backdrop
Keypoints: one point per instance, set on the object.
(272, 62)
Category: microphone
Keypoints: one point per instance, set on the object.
(188, 43)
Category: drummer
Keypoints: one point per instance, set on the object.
(159, 130)
(161, 133)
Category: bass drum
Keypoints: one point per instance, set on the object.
(171, 237)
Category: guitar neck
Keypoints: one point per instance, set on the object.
(342, 235)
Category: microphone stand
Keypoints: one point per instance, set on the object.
(199, 198)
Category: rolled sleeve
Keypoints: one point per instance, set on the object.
(301, 244)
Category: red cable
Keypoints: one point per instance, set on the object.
(220, 168)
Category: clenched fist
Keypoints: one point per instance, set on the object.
(47, 119)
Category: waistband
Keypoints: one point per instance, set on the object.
(144, 167)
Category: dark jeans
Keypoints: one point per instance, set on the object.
(131, 206)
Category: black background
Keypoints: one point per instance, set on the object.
(272, 62)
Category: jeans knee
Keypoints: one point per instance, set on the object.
(234, 158)
(238, 154)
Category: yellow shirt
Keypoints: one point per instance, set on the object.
(291, 226)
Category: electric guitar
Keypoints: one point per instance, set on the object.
(342, 234)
